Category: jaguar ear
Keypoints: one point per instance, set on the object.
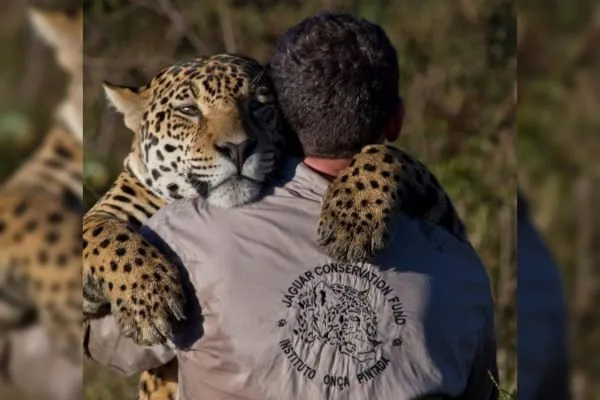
(129, 101)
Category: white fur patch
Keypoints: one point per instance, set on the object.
(234, 192)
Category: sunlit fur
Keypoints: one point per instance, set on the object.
(179, 155)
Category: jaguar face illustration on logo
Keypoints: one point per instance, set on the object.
(344, 308)
(341, 316)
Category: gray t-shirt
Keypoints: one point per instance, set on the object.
(277, 319)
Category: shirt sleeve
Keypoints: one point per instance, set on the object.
(104, 342)
(483, 380)
(107, 346)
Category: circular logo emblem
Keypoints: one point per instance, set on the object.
(329, 307)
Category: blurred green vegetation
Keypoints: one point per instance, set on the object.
(458, 78)
(558, 148)
(30, 86)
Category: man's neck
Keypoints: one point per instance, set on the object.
(328, 168)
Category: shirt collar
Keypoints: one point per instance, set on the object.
(298, 177)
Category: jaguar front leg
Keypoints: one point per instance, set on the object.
(126, 274)
(359, 208)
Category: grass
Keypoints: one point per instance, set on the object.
(104, 384)
(505, 394)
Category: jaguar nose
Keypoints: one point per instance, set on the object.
(238, 153)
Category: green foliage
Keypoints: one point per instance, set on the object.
(103, 384)
(26, 99)
(558, 149)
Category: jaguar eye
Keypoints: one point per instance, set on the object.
(191, 110)
(263, 95)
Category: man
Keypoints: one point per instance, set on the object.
(278, 319)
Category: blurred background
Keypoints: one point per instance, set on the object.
(31, 85)
(458, 77)
(559, 168)
(459, 71)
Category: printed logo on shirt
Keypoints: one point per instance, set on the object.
(341, 306)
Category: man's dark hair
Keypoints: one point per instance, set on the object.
(336, 78)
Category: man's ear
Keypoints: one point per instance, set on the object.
(394, 127)
(129, 101)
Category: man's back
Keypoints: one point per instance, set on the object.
(280, 320)
(277, 319)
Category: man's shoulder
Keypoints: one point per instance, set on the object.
(279, 198)
(296, 188)
(195, 219)
(170, 213)
(434, 249)
(172, 223)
